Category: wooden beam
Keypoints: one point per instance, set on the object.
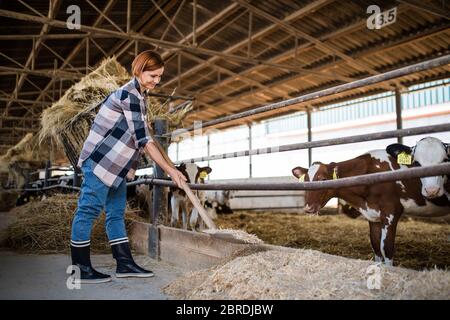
(414, 35)
(168, 19)
(229, 72)
(63, 36)
(205, 26)
(26, 101)
(105, 16)
(52, 11)
(163, 43)
(128, 16)
(331, 49)
(108, 7)
(48, 73)
(442, 12)
(296, 15)
(194, 23)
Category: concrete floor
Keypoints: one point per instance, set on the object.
(27, 276)
(30, 276)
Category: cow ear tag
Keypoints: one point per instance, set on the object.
(335, 176)
(203, 174)
(302, 178)
(404, 158)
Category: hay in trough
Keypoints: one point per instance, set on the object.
(419, 244)
(236, 234)
(307, 274)
(45, 226)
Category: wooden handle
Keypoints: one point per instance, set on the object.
(195, 202)
(201, 210)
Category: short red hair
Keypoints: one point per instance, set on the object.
(146, 61)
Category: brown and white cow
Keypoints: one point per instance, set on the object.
(381, 204)
(428, 151)
(179, 199)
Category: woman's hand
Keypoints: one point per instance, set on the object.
(176, 176)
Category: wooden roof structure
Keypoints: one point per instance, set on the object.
(231, 55)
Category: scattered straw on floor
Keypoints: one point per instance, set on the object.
(307, 274)
(45, 226)
(419, 244)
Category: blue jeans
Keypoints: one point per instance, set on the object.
(94, 197)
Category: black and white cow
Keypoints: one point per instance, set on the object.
(219, 201)
(427, 152)
(180, 201)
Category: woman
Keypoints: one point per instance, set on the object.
(110, 155)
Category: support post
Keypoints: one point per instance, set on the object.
(128, 16)
(159, 208)
(208, 149)
(48, 172)
(250, 166)
(250, 27)
(398, 112)
(308, 120)
(76, 177)
(194, 23)
(87, 55)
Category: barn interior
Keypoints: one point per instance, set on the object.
(257, 88)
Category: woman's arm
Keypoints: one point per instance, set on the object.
(156, 156)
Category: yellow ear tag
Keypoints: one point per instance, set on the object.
(302, 178)
(335, 176)
(203, 174)
(404, 158)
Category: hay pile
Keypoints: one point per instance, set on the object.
(27, 155)
(45, 226)
(306, 274)
(419, 244)
(158, 108)
(69, 120)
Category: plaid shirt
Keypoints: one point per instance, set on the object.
(118, 135)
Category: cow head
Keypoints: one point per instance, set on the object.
(427, 152)
(193, 172)
(316, 199)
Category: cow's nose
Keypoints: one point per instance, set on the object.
(432, 191)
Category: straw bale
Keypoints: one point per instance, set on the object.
(45, 226)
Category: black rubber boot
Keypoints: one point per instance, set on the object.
(126, 267)
(81, 258)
